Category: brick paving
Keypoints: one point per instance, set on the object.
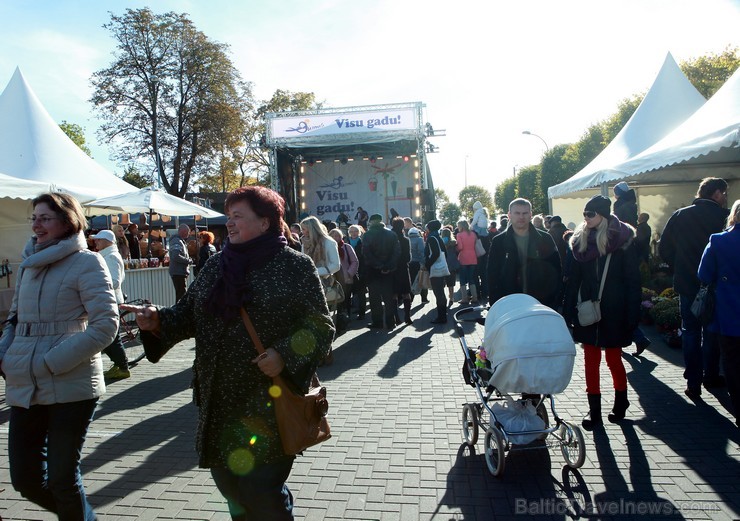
(397, 451)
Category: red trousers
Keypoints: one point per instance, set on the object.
(592, 355)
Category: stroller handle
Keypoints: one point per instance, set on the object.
(475, 315)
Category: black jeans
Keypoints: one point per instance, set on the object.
(260, 494)
(45, 447)
(116, 352)
(380, 289)
(438, 288)
(179, 282)
(729, 347)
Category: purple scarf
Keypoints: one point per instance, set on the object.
(232, 290)
(617, 235)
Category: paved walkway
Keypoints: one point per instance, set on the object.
(397, 451)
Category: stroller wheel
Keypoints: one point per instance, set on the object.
(495, 455)
(572, 445)
(470, 420)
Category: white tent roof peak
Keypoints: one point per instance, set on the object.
(33, 147)
(669, 102)
(713, 128)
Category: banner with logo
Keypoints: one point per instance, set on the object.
(384, 187)
(401, 119)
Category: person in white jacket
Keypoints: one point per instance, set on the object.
(324, 252)
(107, 248)
(480, 221)
(320, 247)
(62, 315)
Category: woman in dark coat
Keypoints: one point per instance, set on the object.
(433, 248)
(401, 277)
(600, 237)
(237, 435)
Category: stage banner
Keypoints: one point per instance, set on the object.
(404, 119)
(384, 187)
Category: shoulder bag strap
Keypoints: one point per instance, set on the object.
(252, 332)
(603, 275)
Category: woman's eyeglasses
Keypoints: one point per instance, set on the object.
(43, 219)
(589, 214)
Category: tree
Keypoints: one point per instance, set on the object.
(528, 187)
(450, 214)
(505, 193)
(132, 176)
(709, 73)
(77, 134)
(171, 95)
(470, 194)
(440, 198)
(248, 162)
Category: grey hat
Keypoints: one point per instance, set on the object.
(621, 188)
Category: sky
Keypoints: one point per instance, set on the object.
(486, 70)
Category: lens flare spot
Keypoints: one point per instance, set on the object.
(253, 440)
(275, 391)
(241, 462)
(303, 342)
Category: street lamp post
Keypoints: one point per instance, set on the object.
(528, 133)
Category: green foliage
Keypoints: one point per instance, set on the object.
(709, 73)
(77, 134)
(528, 187)
(505, 193)
(169, 89)
(132, 176)
(450, 214)
(440, 198)
(666, 313)
(469, 195)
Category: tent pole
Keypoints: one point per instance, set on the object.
(149, 238)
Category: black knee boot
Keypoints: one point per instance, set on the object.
(593, 419)
(407, 311)
(620, 406)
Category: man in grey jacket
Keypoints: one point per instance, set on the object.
(180, 260)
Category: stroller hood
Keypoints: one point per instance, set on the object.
(529, 347)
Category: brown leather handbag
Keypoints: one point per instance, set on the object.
(301, 417)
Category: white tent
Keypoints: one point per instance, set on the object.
(667, 174)
(711, 136)
(32, 146)
(37, 156)
(670, 101)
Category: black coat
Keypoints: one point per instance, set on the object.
(556, 231)
(625, 208)
(620, 300)
(401, 278)
(684, 238)
(380, 251)
(544, 277)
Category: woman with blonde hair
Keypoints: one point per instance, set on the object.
(318, 245)
(121, 241)
(605, 270)
(719, 266)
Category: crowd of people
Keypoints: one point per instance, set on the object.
(67, 303)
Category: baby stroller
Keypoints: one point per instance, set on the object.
(528, 349)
